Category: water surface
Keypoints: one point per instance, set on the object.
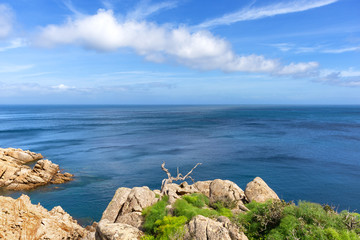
(302, 152)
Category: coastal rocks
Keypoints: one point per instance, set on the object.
(15, 175)
(107, 230)
(138, 199)
(227, 192)
(123, 214)
(19, 155)
(257, 190)
(203, 228)
(19, 219)
(128, 200)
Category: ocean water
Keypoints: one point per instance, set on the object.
(303, 152)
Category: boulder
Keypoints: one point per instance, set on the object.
(20, 155)
(15, 175)
(114, 207)
(257, 190)
(134, 219)
(127, 201)
(203, 228)
(138, 199)
(234, 232)
(19, 219)
(203, 187)
(227, 192)
(107, 230)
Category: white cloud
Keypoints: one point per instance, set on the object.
(14, 68)
(15, 43)
(287, 47)
(299, 69)
(346, 78)
(6, 20)
(62, 87)
(342, 50)
(145, 9)
(252, 13)
(199, 50)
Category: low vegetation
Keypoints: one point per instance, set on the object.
(271, 220)
(161, 224)
(280, 220)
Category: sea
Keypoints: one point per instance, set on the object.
(307, 153)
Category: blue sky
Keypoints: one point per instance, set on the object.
(180, 52)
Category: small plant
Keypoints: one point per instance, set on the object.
(170, 227)
(154, 213)
(183, 208)
(197, 199)
(222, 211)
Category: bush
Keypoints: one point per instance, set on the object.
(170, 228)
(222, 210)
(197, 200)
(154, 213)
(183, 208)
(279, 220)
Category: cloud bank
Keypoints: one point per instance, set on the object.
(6, 21)
(199, 50)
(266, 11)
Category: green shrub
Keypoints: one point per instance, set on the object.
(222, 211)
(154, 213)
(197, 200)
(183, 208)
(307, 221)
(170, 228)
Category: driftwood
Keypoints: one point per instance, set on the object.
(179, 176)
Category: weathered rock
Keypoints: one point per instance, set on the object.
(234, 232)
(20, 155)
(203, 187)
(134, 219)
(19, 219)
(90, 232)
(138, 199)
(114, 207)
(127, 205)
(14, 175)
(107, 230)
(203, 228)
(227, 192)
(257, 190)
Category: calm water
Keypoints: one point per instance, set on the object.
(308, 153)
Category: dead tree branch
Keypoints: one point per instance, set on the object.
(179, 176)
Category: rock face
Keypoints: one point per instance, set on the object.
(107, 230)
(228, 193)
(15, 175)
(203, 228)
(19, 219)
(257, 190)
(123, 214)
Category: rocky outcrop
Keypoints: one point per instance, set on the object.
(203, 228)
(19, 219)
(128, 200)
(228, 193)
(107, 230)
(257, 190)
(123, 214)
(16, 175)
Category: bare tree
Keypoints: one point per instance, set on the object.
(179, 176)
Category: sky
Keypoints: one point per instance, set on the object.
(180, 52)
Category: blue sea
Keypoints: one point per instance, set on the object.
(303, 152)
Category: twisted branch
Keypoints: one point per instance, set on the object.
(179, 176)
